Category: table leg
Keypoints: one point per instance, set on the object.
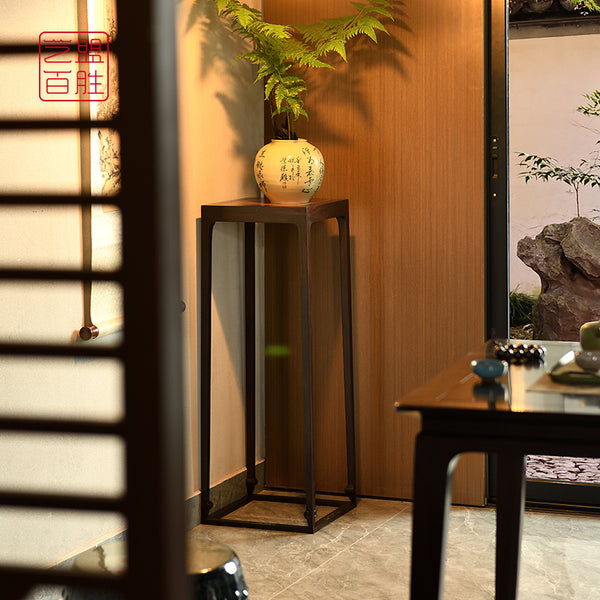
(435, 461)
(250, 353)
(510, 502)
(304, 229)
(346, 295)
(206, 232)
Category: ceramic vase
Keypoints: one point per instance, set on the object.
(289, 171)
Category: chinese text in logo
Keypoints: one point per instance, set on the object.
(73, 66)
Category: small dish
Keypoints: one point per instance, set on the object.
(567, 370)
(489, 369)
(589, 360)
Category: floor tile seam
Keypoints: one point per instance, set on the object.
(337, 554)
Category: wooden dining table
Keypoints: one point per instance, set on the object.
(523, 412)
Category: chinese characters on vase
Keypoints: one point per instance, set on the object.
(289, 171)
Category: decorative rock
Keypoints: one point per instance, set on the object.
(514, 6)
(539, 6)
(557, 315)
(581, 246)
(566, 256)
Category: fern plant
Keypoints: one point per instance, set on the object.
(284, 53)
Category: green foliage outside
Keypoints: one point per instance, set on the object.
(284, 53)
(521, 307)
(521, 315)
(592, 5)
(545, 168)
(593, 106)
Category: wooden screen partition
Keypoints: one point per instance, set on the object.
(401, 128)
(150, 354)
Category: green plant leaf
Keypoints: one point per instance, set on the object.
(337, 46)
(269, 85)
(283, 53)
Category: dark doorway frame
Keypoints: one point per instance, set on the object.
(496, 154)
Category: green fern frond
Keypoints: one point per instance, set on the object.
(240, 13)
(246, 17)
(269, 85)
(313, 62)
(372, 23)
(324, 29)
(267, 68)
(282, 53)
(294, 106)
(221, 5)
(294, 49)
(337, 46)
(297, 107)
(293, 82)
(290, 94)
(381, 10)
(275, 32)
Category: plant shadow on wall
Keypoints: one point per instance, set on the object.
(219, 48)
(344, 87)
(285, 54)
(566, 256)
(237, 95)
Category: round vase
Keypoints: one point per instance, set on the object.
(289, 171)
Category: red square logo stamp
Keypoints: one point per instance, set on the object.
(73, 66)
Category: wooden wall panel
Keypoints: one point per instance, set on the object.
(401, 130)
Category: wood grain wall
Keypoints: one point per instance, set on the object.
(401, 129)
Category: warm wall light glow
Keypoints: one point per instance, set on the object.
(49, 236)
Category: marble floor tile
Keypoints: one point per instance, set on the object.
(560, 557)
(376, 565)
(365, 555)
(281, 559)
